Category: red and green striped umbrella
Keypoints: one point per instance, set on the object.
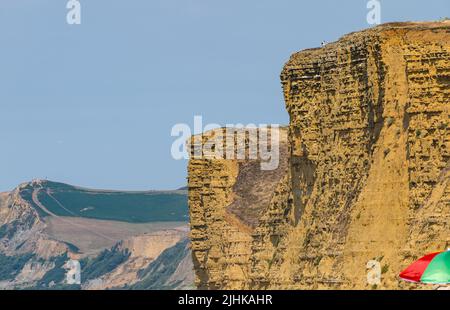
(433, 268)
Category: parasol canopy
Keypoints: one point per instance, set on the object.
(433, 268)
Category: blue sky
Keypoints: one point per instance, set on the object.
(94, 104)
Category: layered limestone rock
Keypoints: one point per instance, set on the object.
(368, 175)
(227, 197)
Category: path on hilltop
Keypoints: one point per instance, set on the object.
(35, 199)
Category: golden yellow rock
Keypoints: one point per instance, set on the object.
(368, 175)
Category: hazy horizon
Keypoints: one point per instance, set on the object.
(92, 105)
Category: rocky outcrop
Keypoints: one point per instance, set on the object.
(171, 270)
(142, 251)
(227, 198)
(368, 175)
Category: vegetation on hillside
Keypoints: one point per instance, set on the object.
(156, 276)
(26, 194)
(10, 266)
(56, 275)
(133, 207)
(105, 262)
(64, 200)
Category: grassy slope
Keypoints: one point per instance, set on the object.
(133, 207)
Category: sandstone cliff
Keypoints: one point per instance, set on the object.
(227, 198)
(367, 175)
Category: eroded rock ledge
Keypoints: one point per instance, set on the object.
(367, 173)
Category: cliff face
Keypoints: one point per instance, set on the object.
(227, 198)
(368, 175)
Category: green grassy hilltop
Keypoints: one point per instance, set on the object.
(134, 207)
